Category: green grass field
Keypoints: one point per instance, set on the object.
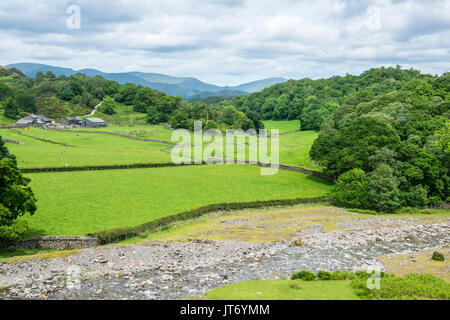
(156, 132)
(284, 289)
(77, 203)
(409, 287)
(82, 149)
(282, 126)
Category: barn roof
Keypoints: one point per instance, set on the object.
(97, 120)
(24, 121)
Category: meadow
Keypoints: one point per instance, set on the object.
(46, 148)
(77, 203)
(409, 287)
(62, 149)
(282, 125)
(284, 289)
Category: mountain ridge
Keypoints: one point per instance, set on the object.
(185, 87)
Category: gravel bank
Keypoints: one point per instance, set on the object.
(168, 270)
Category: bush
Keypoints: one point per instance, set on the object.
(340, 275)
(295, 286)
(304, 275)
(323, 275)
(411, 286)
(437, 256)
(364, 211)
(15, 231)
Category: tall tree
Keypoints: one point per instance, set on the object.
(16, 197)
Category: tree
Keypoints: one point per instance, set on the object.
(127, 94)
(350, 188)
(66, 93)
(5, 91)
(153, 116)
(108, 106)
(145, 97)
(50, 75)
(229, 115)
(26, 101)
(16, 197)
(11, 108)
(382, 190)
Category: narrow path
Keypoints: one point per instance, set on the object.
(93, 110)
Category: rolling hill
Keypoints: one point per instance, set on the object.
(185, 87)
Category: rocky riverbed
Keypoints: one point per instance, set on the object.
(172, 270)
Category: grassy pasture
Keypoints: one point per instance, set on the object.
(82, 149)
(77, 203)
(283, 126)
(98, 149)
(284, 289)
(156, 132)
(409, 287)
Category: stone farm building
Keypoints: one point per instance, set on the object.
(73, 121)
(33, 120)
(94, 123)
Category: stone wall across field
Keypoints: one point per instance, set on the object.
(61, 243)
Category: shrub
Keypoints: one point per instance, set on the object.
(411, 286)
(295, 286)
(364, 211)
(304, 275)
(437, 256)
(296, 243)
(340, 275)
(323, 275)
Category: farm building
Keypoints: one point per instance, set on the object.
(94, 123)
(33, 120)
(73, 121)
(41, 119)
(24, 123)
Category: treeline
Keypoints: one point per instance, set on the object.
(390, 150)
(179, 113)
(313, 101)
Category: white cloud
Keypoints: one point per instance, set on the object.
(230, 42)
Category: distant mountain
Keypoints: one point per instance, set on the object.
(258, 85)
(185, 87)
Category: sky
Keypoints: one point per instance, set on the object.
(228, 42)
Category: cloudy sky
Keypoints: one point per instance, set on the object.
(228, 42)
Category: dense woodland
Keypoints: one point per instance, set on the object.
(313, 101)
(384, 135)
